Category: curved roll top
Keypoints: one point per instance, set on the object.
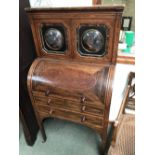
(65, 77)
(70, 79)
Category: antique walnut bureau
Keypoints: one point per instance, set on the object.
(72, 77)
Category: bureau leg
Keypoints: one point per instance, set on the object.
(103, 145)
(101, 148)
(42, 130)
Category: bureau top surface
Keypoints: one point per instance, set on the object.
(117, 8)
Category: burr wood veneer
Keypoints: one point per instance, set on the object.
(66, 83)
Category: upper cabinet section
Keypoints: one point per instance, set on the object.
(87, 34)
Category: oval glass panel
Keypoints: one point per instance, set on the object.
(92, 40)
(54, 39)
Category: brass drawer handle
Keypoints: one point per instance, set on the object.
(83, 108)
(51, 111)
(83, 118)
(83, 99)
(49, 101)
(47, 92)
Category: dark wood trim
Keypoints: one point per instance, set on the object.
(27, 134)
(27, 117)
(26, 57)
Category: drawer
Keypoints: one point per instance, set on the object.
(71, 115)
(68, 104)
(58, 103)
(79, 98)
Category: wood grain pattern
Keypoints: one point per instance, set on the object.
(68, 104)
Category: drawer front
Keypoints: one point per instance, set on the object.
(70, 115)
(70, 105)
(90, 100)
(58, 103)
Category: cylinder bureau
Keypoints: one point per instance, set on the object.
(72, 77)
